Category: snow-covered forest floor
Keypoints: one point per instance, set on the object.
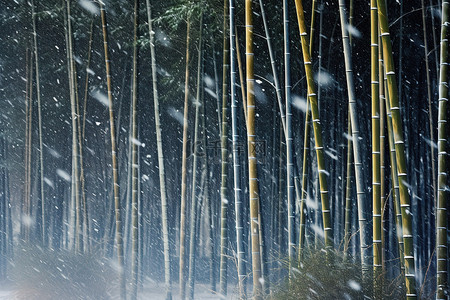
(150, 291)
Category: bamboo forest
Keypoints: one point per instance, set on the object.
(209, 149)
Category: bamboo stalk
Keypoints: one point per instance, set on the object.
(161, 166)
(376, 175)
(356, 142)
(289, 139)
(236, 159)
(41, 148)
(182, 269)
(195, 197)
(134, 163)
(252, 167)
(430, 99)
(400, 153)
(443, 164)
(224, 158)
(316, 126)
(117, 206)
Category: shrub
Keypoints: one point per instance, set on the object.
(328, 276)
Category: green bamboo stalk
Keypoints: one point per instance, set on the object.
(316, 126)
(400, 152)
(395, 185)
(306, 140)
(117, 205)
(382, 110)
(376, 175)
(443, 166)
(252, 167)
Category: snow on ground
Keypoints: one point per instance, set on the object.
(153, 291)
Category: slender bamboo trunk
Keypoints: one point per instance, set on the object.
(161, 167)
(430, 99)
(316, 126)
(289, 140)
(400, 153)
(75, 171)
(376, 185)
(195, 195)
(252, 167)
(306, 140)
(443, 164)
(348, 189)
(216, 84)
(360, 190)
(395, 184)
(44, 238)
(117, 205)
(241, 76)
(303, 208)
(276, 82)
(385, 208)
(236, 160)
(26, 212)
(224, 151)
(81, 134)
(182, 268)
(134, 164)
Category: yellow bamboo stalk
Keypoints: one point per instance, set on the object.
(316, 125)
(252, 167)
(376, 185)
(400, 152)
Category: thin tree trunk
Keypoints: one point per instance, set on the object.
(236, 160)
(376, 185)
(41, 148)
(75, 179)
(224, 165)
(134, 164)
(241, 76)
(117, 205)
(306, 139)
(348, 189)
(360, 190)
(253, 179)
(289, 140)
(443, 166)
(400, 153)
(316, 126)
(162, 174)
(395, 184)
(195, 196)
(430, 99)
(182, 268)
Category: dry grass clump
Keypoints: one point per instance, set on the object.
(328, 276)
(39, 274)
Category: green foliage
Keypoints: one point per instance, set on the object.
(52, 275)
(326, 275)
